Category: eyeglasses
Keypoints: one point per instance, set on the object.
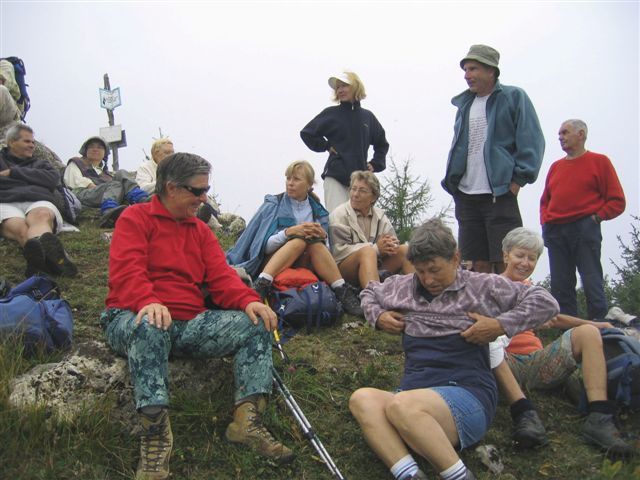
(361, 191)
(196, 192)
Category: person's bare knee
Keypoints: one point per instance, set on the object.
(15, 229)
(40, 216)
(585, 337)
(363, 400)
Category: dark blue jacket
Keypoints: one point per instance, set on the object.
(350, 130)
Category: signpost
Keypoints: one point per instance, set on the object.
(113, 134)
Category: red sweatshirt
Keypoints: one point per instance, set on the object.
(580, 187)
(156, 259)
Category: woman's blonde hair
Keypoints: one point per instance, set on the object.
(157, 145)
(308, 173)
(356, 85)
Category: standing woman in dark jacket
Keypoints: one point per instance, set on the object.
(345, 131)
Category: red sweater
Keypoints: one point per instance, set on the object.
(156, 259)
(580, 187)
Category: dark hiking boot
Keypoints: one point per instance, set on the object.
(110, 216)
(528, 430)
(57, 259)
(247, 429)
(348, 297)
(263, 287)
(34, 254)
(156, 443)
(600, 430)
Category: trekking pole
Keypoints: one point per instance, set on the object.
(307, 429)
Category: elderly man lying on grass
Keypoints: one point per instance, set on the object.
(447, 395)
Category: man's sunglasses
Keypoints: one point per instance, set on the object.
(196, 192)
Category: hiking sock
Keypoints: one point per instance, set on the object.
(404, 468)
(457, 471)
(266, 276)
(518, 407)
(337, 284)
(606, 407)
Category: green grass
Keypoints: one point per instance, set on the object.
(332, 364)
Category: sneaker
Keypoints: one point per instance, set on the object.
(156, 443)
(34, 254)
(600, 430)
(263, 287)
(56, 258)
(348, 297)
(247, 429)
(110, 216)
(469, 475)
(528, 430)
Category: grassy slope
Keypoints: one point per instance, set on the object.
(333, 363)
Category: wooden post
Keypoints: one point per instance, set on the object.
(114, 148)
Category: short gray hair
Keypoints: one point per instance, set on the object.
(430, 240)
(578, 125)
(524, 238)
(13, 133)
(179, 168)
(369, 178)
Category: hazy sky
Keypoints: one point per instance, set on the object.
(235, 82)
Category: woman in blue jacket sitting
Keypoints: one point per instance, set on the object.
(290, 229)
(345, 131)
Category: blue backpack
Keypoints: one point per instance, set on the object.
(34, 312)
(622, 353)
(312, 306)
(20, 71)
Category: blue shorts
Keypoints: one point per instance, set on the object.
(467, 412)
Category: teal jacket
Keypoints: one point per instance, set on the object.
(274, 215)
(514, 147)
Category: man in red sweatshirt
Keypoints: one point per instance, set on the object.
(580, 192)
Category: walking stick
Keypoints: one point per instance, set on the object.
(306, 427)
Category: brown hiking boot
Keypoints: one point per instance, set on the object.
(156, 443)
(247, 429)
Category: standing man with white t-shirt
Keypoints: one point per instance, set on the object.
(497, 149)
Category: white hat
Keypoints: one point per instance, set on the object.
(616, 313)
(342, 77)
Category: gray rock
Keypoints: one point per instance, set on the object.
(93, 374)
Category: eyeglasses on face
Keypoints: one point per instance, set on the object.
(196, 192)
(361, 191)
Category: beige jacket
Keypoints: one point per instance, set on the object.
(346, 236)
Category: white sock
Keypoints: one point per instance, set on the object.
(266, 276)
(404, 468)
(338, 283)
(457, 471)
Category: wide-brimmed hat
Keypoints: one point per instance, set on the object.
(484, 54)
(342, 77)
(83, 148)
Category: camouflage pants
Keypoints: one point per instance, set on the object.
(213, 333)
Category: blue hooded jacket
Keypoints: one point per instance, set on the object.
(274, 215)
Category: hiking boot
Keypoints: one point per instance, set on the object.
(469, 475)
(56, 257)
(600, 430)
(110, 216)
(348, 297)
(263, 287)
(528, 430)
(247, 429)
(156, 443)
(34, 254)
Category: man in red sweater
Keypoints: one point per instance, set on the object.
(580, 192)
